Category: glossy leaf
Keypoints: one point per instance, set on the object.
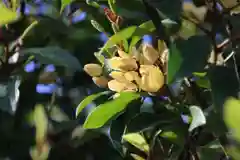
(104, 112)
(119, 36)
(54, 55)
(88, 100)
(65, 3)
(144, 28)
(137, 140)
(137, 157)
(7, 15)
(198, 118)
(187, 56)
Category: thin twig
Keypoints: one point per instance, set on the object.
(214, 31)
(229, 56)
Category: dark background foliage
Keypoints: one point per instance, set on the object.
(187, 121)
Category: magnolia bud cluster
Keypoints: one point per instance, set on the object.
(130, 72)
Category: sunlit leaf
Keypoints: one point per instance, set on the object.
(198, 118)
(144, 28)
(137, 140)
(231, 116)
(65, 3)
(88, 100)
(119, 36)
(40, 121)
(137, 157)
(104, 112)
(7, 15)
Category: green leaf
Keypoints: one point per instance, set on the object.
(137, 157)
(224, 84)
(137, 140)
(187, 56)
(40, 120)
(64, 4)
(88, 100)
(104, 112)
(7, 15)
(145, 28)
(144, 121)
(203, 82)
(116, 131)
(54, 55)
(231, 116)
(172, 9)
(174, 62)
(112, 5)
(198, 118)
(119, 36)
(187, 29)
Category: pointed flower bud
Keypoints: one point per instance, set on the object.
(150, 53)
(132, 76)
(152, 78)
(94, 70)
(118, 75)
(116, 86)
(123, 64)
(101, 81)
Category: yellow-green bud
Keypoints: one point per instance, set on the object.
(100, 81)
(94, 70)
(150, 54)
(152, 78)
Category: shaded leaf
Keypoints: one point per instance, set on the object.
(187, 56)
(198, 118)
(101, 114)
(223, 84)
(171, 9)
(137, 140)
(53, 55)
(174, 132)
(144, 121)
(116, 131)
(88, 100)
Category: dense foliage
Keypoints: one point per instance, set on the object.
(116, 79)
